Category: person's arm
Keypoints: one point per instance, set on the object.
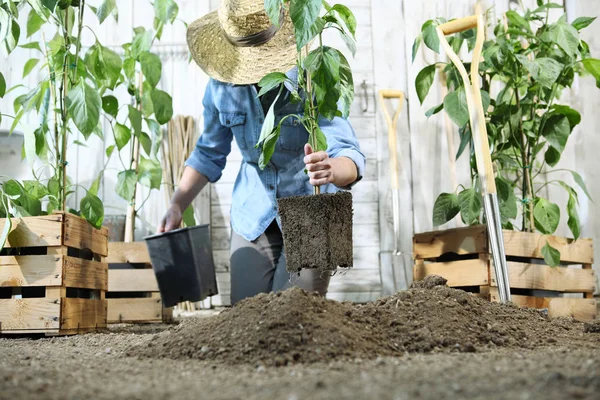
(191, 184)
(205, 164)
(343, 163)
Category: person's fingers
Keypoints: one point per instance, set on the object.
(319, 182)
(308, 149)
(320, 166)
(320, 175)
(316, 157)
(161, 227)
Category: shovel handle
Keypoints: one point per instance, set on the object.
(392, 123)
(459, 25)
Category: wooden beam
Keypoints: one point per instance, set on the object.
(132, 280)
(461, 241)
(81, 235)
(85, 274)
(458, 273)
(82, 314)
(526, 244)
(28, 271)
(132, 253)
(544, 277)
(29, 314)
(134, 310)
(34, 231)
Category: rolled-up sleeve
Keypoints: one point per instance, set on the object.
(342, 142)
(214, 145)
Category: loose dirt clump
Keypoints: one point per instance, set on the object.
(298, 327)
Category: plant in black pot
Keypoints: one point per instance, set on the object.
(317, 229)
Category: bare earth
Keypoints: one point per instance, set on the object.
(433, 343)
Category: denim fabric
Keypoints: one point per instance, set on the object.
(235, 111)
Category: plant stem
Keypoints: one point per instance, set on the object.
(62, 155)
(312, 135)
(135, 155)
(526, 189)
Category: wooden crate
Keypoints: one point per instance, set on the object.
(462, 257)
(133, 295)
(52, 276)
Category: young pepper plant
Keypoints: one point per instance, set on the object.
(525, 69)
(325, 83)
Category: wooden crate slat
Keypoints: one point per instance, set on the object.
(85, 274)
(28, 271)
(133, 253)
(458, 273)
(134, 310)
(544, 277)
(34, 231)
(462, 241)
(132, 280)
(526, 244)
(81, 235)
(29, 314)
(82, 314)
(579, 309)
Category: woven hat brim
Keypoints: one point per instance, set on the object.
(225, 62)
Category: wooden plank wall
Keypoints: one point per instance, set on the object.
(386, 32)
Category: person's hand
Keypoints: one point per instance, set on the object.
(319, 166)
(171, 220)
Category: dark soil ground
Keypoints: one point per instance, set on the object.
(430, 342)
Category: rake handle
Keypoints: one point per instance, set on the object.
(459, 25)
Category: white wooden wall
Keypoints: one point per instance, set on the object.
(386, 31)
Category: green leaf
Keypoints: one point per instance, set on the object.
(5, 24)
(35, 188)
(445, 208)
(268, 124)
(105, 64)
(434, 110)
(573, 221)
(34, 22)
(126, 181)
(304, 14)
(129, 68)
(583, 22)
(166, 10)
(321, 139)
(12, 40)
(552, 156)
(268, 147)
(188, 217)
(544, 70)
(29, 66)
(551, 255)
(415, 46)
(13, 189)
(29, 144)
(430, 36)
(556, 131)
(135, 117)
(31, 46)
(150, 173)
(507, 201)
(271, 81)
(546, 215)
(592, 65)
(105, 9)
(122, 135)
(2, 85)
(470, 206)
(163, 106)
(579, 180)
(146, 143)
(455, 104)
(142, 42)
(92, 210)
(424, 81)
(110, 105)
(84, 104)
(347, 16)
(572, 115)
(517, 21)
(109, 150)
(465, 139)
(564, 35)
(151, 67)
(346, 86)
(96, 185)
(273, 9)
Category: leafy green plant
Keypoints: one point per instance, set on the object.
(526, 67)
(325, 84)
(75, 95)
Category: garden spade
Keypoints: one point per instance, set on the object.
(392, 122)
(480, 143)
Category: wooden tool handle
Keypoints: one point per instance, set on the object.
(392, 135)
(459, 25)
(391, 94)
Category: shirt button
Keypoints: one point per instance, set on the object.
(271, 187)
(228, 122)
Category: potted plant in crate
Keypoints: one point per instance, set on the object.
(525, 69)
(51, 258)
(325, 88)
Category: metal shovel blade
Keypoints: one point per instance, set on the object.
(496, 239)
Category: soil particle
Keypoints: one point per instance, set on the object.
(592, 327)
(295, 327)
(317, 231)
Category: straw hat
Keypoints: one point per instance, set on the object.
(239, 44)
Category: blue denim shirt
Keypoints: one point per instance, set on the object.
(235, 111)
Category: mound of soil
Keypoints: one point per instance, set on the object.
(298, 327)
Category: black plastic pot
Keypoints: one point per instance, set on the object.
(183, 264)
